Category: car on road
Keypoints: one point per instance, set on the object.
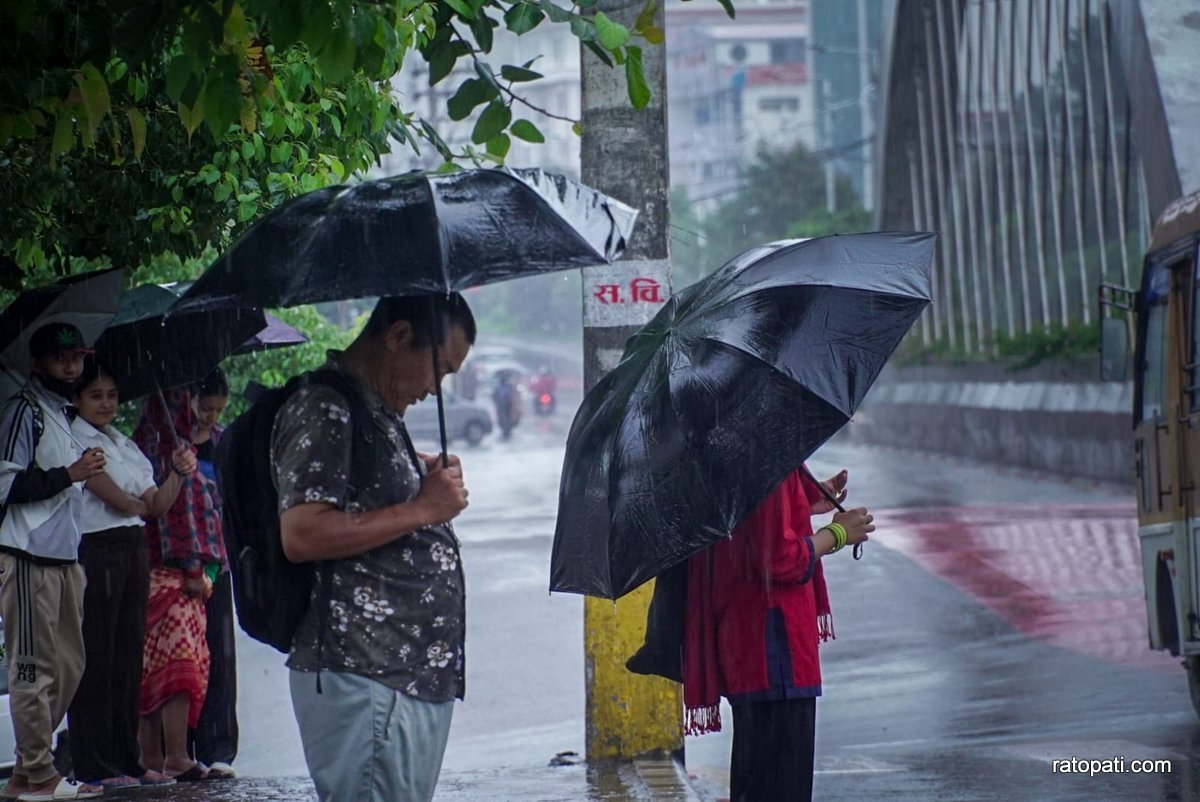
(465, 420)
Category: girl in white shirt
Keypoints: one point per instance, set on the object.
(104, 715)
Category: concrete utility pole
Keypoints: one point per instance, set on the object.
(866, 91)
(827, 127)
(624, 154)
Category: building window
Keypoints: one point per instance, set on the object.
(779, 105)
(790, 51)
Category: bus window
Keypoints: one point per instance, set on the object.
(1154, 377)
(1152, 370)
(1193, 368)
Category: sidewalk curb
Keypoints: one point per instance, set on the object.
(665, 780)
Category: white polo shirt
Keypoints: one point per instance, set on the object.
(126, 465)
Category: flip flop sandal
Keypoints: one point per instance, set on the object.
(116, 783)
(66, 789)
(195, 774)
(154, 779)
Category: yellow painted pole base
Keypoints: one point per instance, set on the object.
(628, 715)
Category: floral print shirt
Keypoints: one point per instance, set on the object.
(396, 612)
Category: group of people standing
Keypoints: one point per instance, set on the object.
(114, 590)
(117, 601)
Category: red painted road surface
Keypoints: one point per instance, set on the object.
(1067, 575)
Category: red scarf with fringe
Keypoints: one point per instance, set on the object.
(702, 681)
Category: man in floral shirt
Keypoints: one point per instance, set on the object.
(373, 690)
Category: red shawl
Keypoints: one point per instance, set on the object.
(189, 535)
(784, 561)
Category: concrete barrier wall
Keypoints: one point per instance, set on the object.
(1054, 417)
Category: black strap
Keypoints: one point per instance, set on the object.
(418, 465)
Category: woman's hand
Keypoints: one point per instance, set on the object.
(183, 459)
(836, 487)
(193, 587)
(858, 524)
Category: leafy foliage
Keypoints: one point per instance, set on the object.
(132, 128)
(1027, 349)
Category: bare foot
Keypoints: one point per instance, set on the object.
(15, 787)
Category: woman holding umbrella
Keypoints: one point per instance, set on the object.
(186, 551)
(103, 715)
(757, 606)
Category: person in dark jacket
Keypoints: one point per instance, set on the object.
(757, 607)
(41, 582)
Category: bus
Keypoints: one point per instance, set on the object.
(1166, 425)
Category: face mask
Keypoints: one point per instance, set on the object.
(56, 386)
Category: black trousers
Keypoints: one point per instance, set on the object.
(215, 738)
(103, 717)
(773, 745)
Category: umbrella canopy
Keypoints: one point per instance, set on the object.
(277, 334)
(414, 233)
(88, 301)
(736, 381)
(146, 352)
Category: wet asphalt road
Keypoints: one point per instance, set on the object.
(994, 625)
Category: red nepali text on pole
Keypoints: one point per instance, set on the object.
(642, 291)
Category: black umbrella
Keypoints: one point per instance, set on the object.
(147, 352)
(88, 301)
(414, 233)
(417, 233)
(735, 382)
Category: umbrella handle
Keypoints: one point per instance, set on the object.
(857, 551)
(162, 399)
(435, 324)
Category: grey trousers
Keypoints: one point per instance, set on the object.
(42, 607)
(365, 742)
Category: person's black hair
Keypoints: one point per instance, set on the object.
(93, 369)
(419, 312)
(214, 384)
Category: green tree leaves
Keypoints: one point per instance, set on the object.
(131, 129)
(492, 122)
(635, 78)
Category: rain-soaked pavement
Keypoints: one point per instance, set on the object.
(994, 625)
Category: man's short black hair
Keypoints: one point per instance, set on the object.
(420, 311)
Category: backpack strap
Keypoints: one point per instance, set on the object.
(39, 422)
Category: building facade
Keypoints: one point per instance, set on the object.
(735, 86)
(1040, 138)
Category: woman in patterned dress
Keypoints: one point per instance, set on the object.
(186, 551)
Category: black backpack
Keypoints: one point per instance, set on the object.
(272, 593)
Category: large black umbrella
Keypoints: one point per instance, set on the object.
(414, 233)
(417, 233)
(735, 382)
(146, 352)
